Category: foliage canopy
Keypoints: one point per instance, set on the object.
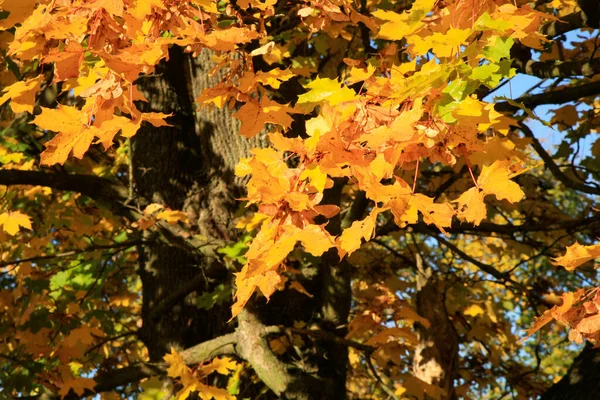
(402, 223)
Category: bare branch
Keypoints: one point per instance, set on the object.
(557, 69)
(565, 24)
(554, 169)
(561, 96)
(65, 254)
(115, 196)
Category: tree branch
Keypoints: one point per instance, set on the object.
(115, 196)
(566, 24)
(72, 253)
(211, 270)
(554, 169)
(557, 69)
(561, 96)
(97, 188)
(503, 277)
(491, 228)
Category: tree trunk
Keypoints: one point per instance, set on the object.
(187, 166)
(436, 355)
(582, 381)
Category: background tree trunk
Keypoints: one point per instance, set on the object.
(436, 355)
(582, 381)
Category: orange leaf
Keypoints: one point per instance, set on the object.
(254, 116)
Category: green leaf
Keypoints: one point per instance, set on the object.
(499, 49)
(457, 89)
(484, 72)
(208, 300)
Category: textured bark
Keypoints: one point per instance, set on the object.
(187, 166)
(582, 381)
(436, 355)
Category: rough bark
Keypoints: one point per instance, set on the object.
(187, 166)
(582, 381)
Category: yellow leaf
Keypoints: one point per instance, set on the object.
(176, 364)
(251, 222)
(325, 89)
(143, 8)
(316, 176)
(473, 310)
(221, 365)
(438, 214)
(18, 10)
(401, 25)
(350, 239)
(22, 94)
(360, 74)
(73, 133)
(577, 255)
(315, 239)
(315, 128)
(173, 216)
(152, 208)
(12, 221)
(471, 206)
(495, 179)
(211, 392)
(264, 49)
(254, 116)
(399, 390)
(207, 5)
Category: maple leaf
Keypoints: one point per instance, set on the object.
(67, 61)
(211, 392)
(142, 8)
(222, 365)
(577, 255)
(471, 206)
(18, 10)
(228, 39)
(556, 312)
(73, 133)
(116, 7)
(494, 179)
(172, 216)
(317, 177)
(22, 94)
(176, 364)
(401, 25)
(78, 385)
(325, 89)
(360, 74)
(254, 116)
(350, 239)
(11, 222)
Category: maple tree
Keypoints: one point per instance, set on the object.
(298, 199)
